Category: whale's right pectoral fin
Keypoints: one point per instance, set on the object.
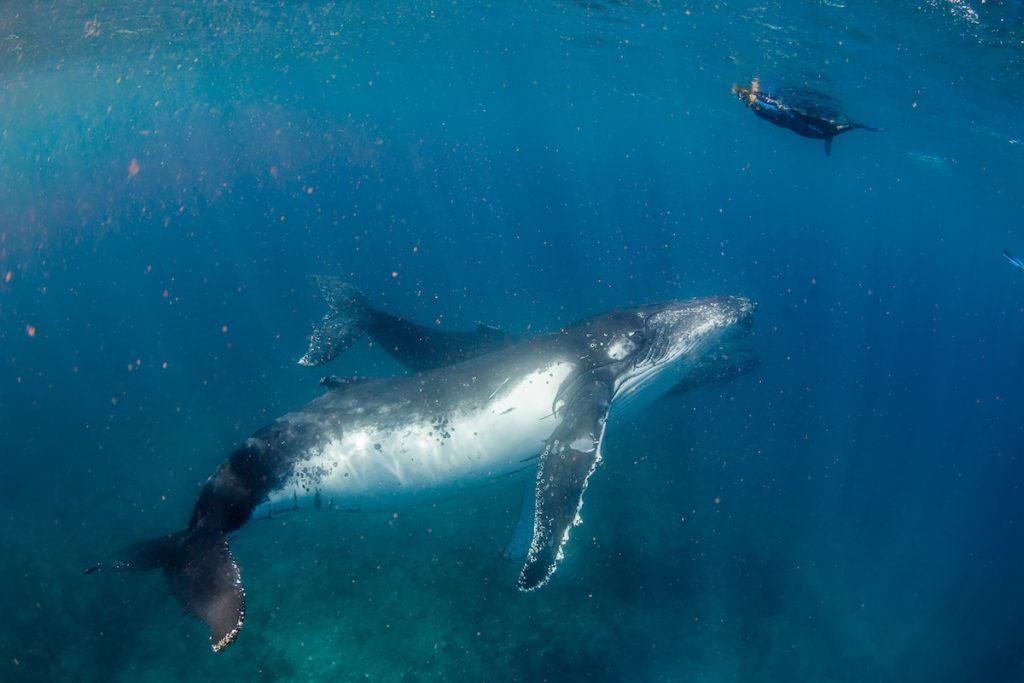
(572, 454)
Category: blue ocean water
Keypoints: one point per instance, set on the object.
(172, 174)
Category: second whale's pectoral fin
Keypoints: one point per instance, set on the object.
(572, 454)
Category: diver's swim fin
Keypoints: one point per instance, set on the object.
(201, 573)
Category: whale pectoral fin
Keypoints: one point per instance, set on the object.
(572, 454)
(518, 545)
(828, 146)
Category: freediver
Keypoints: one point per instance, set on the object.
(806, 118)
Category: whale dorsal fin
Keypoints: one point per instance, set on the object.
(332, 382)
(571, 455)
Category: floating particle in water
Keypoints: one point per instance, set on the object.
(30, 330)
(224, 328)
(133, 168)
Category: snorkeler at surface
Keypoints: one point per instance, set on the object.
(1015, 261)
(809, 116)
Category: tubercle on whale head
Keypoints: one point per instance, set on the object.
(686, 325)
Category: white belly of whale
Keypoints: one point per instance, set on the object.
(427, 455)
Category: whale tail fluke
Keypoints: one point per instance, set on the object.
(201, 573)
(347, 319)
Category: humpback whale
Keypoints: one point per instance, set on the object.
(808, 114)
(482, 406)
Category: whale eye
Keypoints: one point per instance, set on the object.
(621, 347)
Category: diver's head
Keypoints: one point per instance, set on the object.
(747, 95)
